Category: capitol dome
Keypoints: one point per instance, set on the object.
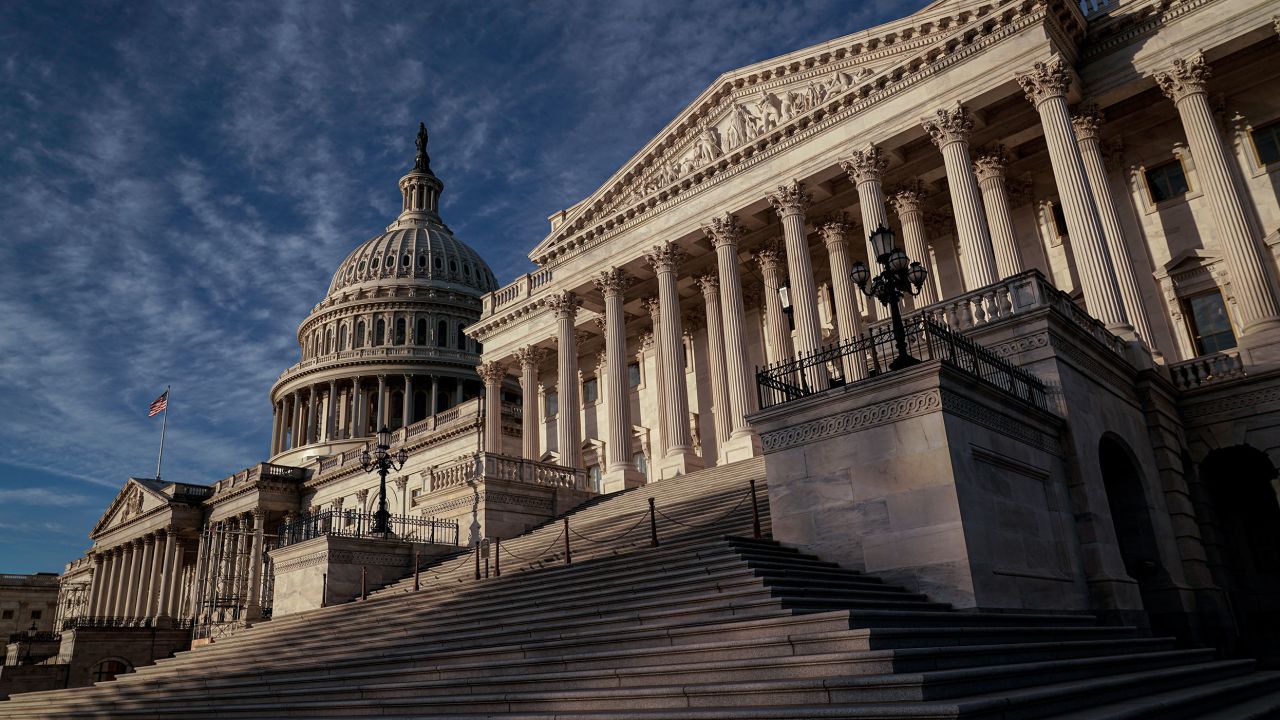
(387, 346)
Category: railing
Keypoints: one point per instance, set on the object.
(468, 410)
(117, 621)
(790, 380)
(492, 466)
(27, 636)
(349, 523)
(1207, 370)
(523, 287)
(253, 473)
(381, 352)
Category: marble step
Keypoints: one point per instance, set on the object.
(1255, 696)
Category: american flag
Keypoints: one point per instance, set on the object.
(159, 404)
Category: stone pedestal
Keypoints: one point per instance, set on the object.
(932, 480)
(326, 570)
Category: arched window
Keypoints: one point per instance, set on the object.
(420, 335)
(442, 334)
(462, 338)
(400, 331)
(107, 670)
(359, 342)
(328, 341)
(342, 338)
(379, 332)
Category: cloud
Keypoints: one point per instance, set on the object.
(43, 496)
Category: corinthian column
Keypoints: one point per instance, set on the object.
(710, 286)
(777, 329)
(866, 169)
(1087, 126)
(529, 358)
(120, 605)
(989, 170)
(568, 423)
(725, 232)
(382, 409)
(622, 472)
(1185, 84)
(791, 201)
(659, 386)
(908, 202)
(492, 374)
(1046, 87)
(680, 457)
(166, 574)
(949, 131)
(834, 234)
(253, 608)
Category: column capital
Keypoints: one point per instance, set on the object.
(723, 230)
(1187, 76)
(769, 256)
(790, 199)
(1046, 80)
(530, 355)
(362, 496)
(149, 538)
(709, 284)
(613, 282)
(835, 229)
(908, 198)
(991, 164)
(1087, 121)
(665, 257)
(491, 373)
(258, 514)
(949, 126)
(653, 306)
(866, 165)
(564, 304)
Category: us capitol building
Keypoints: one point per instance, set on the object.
(1089, 421)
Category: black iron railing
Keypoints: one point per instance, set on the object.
(28, 636)
(869, 356)
(121, 622)
(349, 523)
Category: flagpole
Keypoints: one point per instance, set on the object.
(163, 425)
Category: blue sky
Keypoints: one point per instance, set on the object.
(179, 180)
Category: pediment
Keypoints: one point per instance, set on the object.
(743, 106)
(137, 497)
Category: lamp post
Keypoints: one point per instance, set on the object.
(900, 277)
(382, 460)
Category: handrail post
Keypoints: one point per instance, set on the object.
(364, 582)
(416, 568)
(653, 523)
(568, 558)
(755, 511)
(497, 557)
(477, 559)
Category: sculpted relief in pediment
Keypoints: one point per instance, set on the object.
(131, 506)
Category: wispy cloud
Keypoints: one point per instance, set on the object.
(44, 497)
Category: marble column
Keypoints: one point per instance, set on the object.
(710, 286)
(155, 553)
(865, 169)
(1046, 87)
(459, 389)
(435, 392)
(275, 427)
(1088, 124)
(380, 411)
(908, 203)
(295, 425)
(1255, 297)
(111, 577)
(659, 380)
(835, 234)
(529, 358)
(120, 603)
(309, 431)
(173, 596)
(949, 130)
(353, 411)
(492, 374)
(331, 412)
(680, 457)
(989, 168)
(777, 328)
(166, 575)
(791, 201)
(622, 472)
(407, 411)
(95, 585)
(253, 606)
(132, 578)
(568, 418)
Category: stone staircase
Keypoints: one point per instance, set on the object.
(710, 624)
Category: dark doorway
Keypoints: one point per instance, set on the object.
(1131, 517)
(1239, 482)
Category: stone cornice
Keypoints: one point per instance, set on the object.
(1118, 30)
(577, 233)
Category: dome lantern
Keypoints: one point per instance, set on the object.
(420, 188)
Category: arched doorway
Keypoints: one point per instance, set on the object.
(109, 669)
(1239, 481)
(1135, 533)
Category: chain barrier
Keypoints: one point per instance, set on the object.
(624, 534)
(544, 550)
(713, 522)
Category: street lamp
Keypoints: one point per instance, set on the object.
(900, 277)
(382, 460)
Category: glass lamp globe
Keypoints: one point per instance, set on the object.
(860, 274)
(882, 241)
(916, 274)
(898, 260)
(384, 437)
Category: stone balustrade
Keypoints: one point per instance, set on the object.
(1207, 370)
(383, 353)
(248, 475)
(492, 466)
(522, 288)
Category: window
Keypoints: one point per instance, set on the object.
(462, 339)
(1166, 181)
(1266, 140)
(107, 670)
(442, 334)
(590, 391)
(406, 261)
(373, 264)
(6, 615)
(359, 341)
(380, 332)
(1210, 325)
(593, 472)
(1059, 220)
(342, 338)
(35, 614)
(400, 330)
(422, 261)
(391, 263)
(633, 375)
(328, 341)
(439, 263)
(641, 464)
(552, 405)
(420, 335)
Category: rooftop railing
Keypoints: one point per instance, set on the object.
(522, 288)
(1207, 370)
